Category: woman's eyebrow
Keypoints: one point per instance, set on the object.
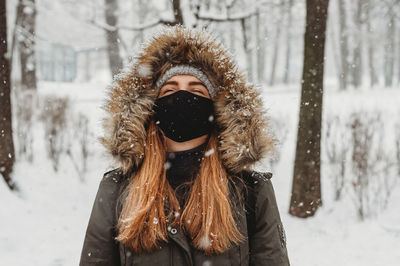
(172, 82)
(193, 83)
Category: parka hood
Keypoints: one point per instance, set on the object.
(239, 116)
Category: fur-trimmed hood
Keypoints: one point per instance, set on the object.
(239, 114)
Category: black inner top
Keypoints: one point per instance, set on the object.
(182, 167)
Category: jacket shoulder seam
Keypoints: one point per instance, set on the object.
(253, 177)
(116, 175)
(264, 176)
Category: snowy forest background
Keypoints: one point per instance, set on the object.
(64, 53)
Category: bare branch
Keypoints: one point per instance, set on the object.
(107, 27)
(225, 18)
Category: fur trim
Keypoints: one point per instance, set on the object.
(239, 114)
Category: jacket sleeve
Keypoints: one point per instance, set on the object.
(268, 242)
(99, 247)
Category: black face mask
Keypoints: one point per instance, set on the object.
(183, 116)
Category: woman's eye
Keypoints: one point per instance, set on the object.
(199, 91)
(167, 90)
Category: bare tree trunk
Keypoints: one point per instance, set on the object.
(260, 48)
(306, 190)
(357, 63)
(389, 49)
(232, 36)
(344, 45)
(232, 29)
(254, 46)
(176, 4)
(140, 9)
(14, 42)
(286, 76)
(336, 53)
(247, 48)
(143, 10)
(371, 61)
(6, 139)
(26, 13)
(276, 45)
(112, 37)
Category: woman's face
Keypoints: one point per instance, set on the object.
(184, 82)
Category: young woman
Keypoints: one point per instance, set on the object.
(186, 129)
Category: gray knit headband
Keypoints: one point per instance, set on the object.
(188, 70)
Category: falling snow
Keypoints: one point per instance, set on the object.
(167, 165)
(144, 70)
(209, 152)
(53, 208)
(204, 242)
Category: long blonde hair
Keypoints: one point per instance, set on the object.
(151, 205)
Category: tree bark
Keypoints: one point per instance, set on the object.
(344, 46)
(112, 37)
(277, 38)
(246, 27)
(26, 13)
(306, 189)
(357, 62)
(176, 4)
(389, 49)
(261, 47)
(6, 140)
(286, 76)
(371, 49)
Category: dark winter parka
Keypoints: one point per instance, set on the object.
(243, 141)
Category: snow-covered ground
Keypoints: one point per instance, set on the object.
(44, 224)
